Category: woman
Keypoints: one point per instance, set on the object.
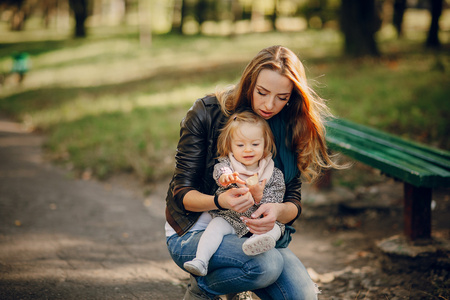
(274, 86)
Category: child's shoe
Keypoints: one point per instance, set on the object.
(258, 244)
(197, 267)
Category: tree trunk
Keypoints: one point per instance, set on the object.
(201, 11)
(273, 17)
(236, 13)
(179, 12)
(145, 26)
(236, 10)
(399, 12)
(47, 7)
(433, 37)
(18, 16)
(257, 17)
(127, 7)
(79, 8)
(360, 21)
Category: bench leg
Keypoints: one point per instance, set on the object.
(417, 214)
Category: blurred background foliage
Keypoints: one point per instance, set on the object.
(108, 81)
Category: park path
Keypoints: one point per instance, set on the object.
(65, 238)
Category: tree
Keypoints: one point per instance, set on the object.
(236, 14)
(236, 10)
(145, 28)
(179, 14)
(436, 11)
(202, 9)
(80, 11)
(20, 11)
(273, 16)
(48, 8)
(360, 20)
(399, 12)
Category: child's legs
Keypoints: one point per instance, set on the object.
(212, 238)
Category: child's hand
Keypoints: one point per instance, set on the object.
(257, 190)
(227, 179)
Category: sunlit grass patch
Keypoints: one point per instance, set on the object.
(407, 96)
(140, 141)
(90, 105)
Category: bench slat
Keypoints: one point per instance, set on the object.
(436, 156)
(414, 176)
(392, 154)
(422, 167)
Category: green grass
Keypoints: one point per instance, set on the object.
(108, 105)
(140, 141)
(407, 96)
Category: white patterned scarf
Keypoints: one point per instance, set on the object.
(264, 170)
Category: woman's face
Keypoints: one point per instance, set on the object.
(272, 92)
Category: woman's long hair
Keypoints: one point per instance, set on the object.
(306, 112)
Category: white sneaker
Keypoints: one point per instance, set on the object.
(258, 244)
(197, 267)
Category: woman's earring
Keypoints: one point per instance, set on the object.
(287, 104)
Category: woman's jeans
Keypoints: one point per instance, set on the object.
(275, 274)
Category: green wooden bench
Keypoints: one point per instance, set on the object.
(419, 167)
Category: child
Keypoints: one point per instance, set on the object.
(245, 147)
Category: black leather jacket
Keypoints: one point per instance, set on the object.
(195, 159)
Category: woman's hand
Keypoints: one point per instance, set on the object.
(237, 199)
(227, 179)
(263, 219)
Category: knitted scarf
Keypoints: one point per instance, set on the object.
(285, 159)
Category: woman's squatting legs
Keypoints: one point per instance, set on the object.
(230, 270)
(294, 281)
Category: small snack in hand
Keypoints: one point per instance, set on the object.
(252, 180)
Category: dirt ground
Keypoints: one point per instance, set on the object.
(68, 238)
(341, 243)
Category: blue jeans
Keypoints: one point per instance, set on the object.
(275, 274)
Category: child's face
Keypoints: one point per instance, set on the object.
(247, 145)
